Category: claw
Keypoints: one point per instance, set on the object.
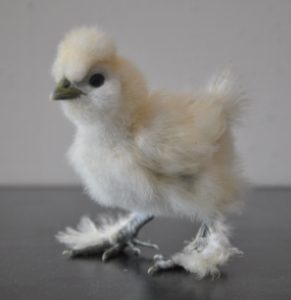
(216, 275)
(111, 252)
(135, 250)
(158, 257)
(161, 264)
(67, 252)
(153, 270)
(145, 244)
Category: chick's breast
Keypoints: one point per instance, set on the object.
(111, 176)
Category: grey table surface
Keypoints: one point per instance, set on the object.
(32, 267)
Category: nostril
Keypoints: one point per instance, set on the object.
(66, 83)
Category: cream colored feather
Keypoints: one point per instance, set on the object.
(149, 151)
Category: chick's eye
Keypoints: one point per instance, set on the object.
(97, 80)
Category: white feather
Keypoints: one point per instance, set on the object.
(151, 152)
(89, 235)
(217, 251)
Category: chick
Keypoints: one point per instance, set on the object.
(149, 152)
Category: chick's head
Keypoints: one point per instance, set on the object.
(92, 79)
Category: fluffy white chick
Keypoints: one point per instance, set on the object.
(151, 153)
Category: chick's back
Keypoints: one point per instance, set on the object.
(190, 136)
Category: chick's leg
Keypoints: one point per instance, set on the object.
(210, 249)
(109, 239)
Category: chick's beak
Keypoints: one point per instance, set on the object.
(65, 91)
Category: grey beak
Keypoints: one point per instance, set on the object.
(64, 91)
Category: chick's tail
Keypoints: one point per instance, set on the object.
(224, 88)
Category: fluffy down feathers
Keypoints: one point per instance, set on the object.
(87, 235)
(216, 251)
(81, 49)
(189, 136)
(162, 153)
(150, 151)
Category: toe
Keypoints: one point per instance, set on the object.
(153, 270)
(145, 244)
(111, 252)
(67, 252)
(158, 257)
(72, 253)
(161, 264)
(133, 249)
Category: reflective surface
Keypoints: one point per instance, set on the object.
(32, 267)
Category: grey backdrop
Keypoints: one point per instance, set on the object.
(178, 45)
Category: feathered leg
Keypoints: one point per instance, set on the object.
(210, 249)
(110, 239)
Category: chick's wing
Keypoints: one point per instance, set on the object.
(181, 134)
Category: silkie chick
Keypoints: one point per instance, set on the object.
(149, 152)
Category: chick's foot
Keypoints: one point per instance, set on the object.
(210, 249)
(109, 239)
